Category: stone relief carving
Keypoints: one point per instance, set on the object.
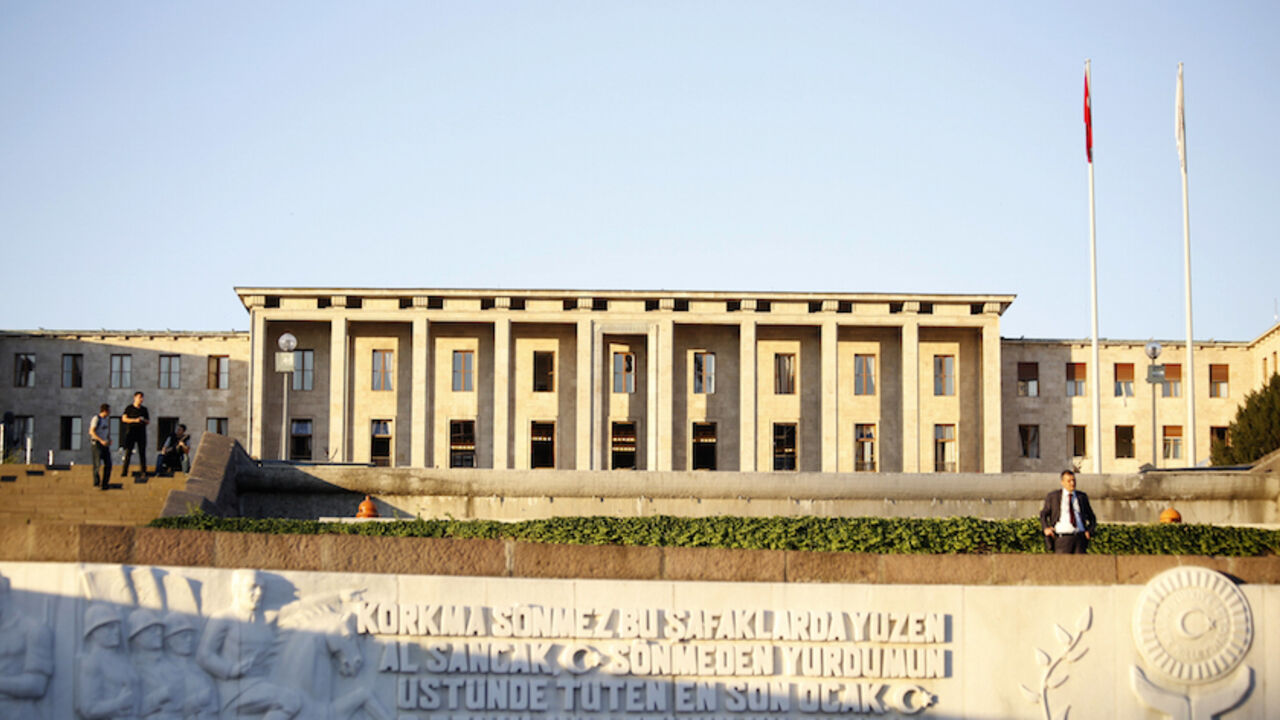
(1193, 627)
(159, 686)
(1051, 663)
(106, 684)
(317, 636)
(26, 660)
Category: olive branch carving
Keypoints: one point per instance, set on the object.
(1068, 654)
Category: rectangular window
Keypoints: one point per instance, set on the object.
(784, 446)
(304, 369)
(944, 448)
(542, 445)
(864, 448)
(1218, 381)
(622, 443)
(1077, 441)
(164, 428)
(1124, 379)
(464, 364)
(24, 370)
(944, 375)
(1029, 441)
(299, 440)
(216, 425)
(1124, 441)
(864, 374)
(1077, 374)
(70, 432)
(170, 372)
(116, 435)
(1218, 436)
(462, 443)
(121, 371)
(1172, 442)
(784, 374)
(703, 452)
(704, 373)
(624, 372)
(1028, 379)
(24, 429)
(72, 370)
(219, 372)
(1172, 385)
(384, 362)
(544, 371)
(380, 443)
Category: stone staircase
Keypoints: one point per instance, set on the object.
(37, 494)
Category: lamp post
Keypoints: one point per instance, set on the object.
(1155, 374)
(284, 365)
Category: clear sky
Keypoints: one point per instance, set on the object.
(155, 155)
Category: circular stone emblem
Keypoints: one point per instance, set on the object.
(1192, 624)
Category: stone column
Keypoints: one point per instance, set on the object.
(992, 410)
(666, 403)
(830, 398)
(582, 403)
(601, 383)
(257, 389)
(911, 430)
(747, 395)
(339, 358)
(501, 392)
(423, 419)
(651, 397)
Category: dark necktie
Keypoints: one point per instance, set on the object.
(1071, 508)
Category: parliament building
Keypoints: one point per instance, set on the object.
(635, 380)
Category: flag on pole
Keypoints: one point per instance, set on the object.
(1088, 114)
(1179, 124)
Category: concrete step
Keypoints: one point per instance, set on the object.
(32, 493)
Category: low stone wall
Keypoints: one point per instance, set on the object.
(508, 558)
(225, 481)
(312, 491)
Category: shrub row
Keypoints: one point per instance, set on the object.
(861, 535)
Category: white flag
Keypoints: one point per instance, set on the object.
(1180, 124)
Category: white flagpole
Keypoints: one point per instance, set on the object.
(1180, 126)
(1096, 380)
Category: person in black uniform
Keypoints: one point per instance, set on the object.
(136, 419)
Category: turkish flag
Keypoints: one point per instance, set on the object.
(1088, 120)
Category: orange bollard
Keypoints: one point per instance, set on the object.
(1170, 516)
(367, 509)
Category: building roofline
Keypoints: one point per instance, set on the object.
(550, 293)
(1119, 341)
(42, 332)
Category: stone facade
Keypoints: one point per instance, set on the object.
(57, 379)
(659, 381)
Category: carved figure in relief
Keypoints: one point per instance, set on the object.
(316, 636)
(199, 695)
(240, 645)
(106, 685)
(160, 688)
(26, 660)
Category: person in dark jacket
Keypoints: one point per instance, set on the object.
(1067, 519)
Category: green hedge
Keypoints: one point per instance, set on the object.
(863, 535)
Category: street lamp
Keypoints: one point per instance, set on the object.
(284, 365)
(1155, 374)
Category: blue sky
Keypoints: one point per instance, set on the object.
(155, 155)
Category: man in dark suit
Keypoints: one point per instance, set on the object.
(1067, 519)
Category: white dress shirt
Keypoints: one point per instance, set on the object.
(1064, 526)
